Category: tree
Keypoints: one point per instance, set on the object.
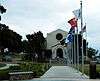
(36, 41)
(9, 39)
(91, 52)
(36, 44)
(25, 46)
(2, 10)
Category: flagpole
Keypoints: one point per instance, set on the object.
(73, 62)
(82, 38)
(74, 51)
(70, 55)
(77, 49)
(86, 42)
(72, 46)
(86, 46)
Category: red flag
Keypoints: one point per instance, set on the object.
(73, 22)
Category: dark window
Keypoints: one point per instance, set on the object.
(59, 36)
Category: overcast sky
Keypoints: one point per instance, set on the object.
(28, 16)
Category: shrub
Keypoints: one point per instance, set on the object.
(38, 68)
(4, 74)
(2, 65)
(14, 68)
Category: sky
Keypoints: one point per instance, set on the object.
(29, 16)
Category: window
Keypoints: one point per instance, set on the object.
(59, 36)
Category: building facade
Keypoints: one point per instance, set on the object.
(53, 43)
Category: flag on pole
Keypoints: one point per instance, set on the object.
(83, 29)
(71, 31)
(73, 22)
(77, 13)
(69, 38)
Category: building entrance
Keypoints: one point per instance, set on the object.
(59, 53)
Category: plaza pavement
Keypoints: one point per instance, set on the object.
(63, 72)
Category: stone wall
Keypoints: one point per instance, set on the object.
(21, 76)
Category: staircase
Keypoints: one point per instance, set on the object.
(58, 62)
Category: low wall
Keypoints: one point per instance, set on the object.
(21, 75)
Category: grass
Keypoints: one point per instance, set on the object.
(4, 74)
(98, 67)
(86, 68)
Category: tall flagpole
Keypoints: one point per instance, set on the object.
(77, 49)
(72, 45)
(72, 53)
(82, 38)
(74, 49)
(86, 45)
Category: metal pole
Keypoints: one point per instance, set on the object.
(77, 50)
(86, 45)
(82, 38)
(71, 53)
(74, 51)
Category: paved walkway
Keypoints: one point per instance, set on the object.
(63, 72)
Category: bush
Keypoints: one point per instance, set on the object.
(4, 74)
(38, 68)
(14, 68)
(2, 65)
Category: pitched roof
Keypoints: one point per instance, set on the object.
(57, 30)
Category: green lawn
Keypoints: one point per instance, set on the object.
(86, 68)
(98, 67)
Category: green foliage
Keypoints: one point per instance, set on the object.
(9, 39)
(86, 68)
(98, 68)
(2, 9)
(35, 45)
(14, 68)
(2, 65)
(4, 74)
(25, 46)
(38, 68)
(36, 41)
(92, 52)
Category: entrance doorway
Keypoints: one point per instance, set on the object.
(59, 53)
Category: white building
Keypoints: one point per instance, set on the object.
(53, 38)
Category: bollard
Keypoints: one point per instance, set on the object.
(92, 70)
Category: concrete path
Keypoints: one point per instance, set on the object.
(63, 72)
